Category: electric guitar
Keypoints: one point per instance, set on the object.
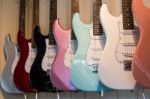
(12, 57)
(84, 74)
(60, 71)
(27, 55)
(46, 51)
(115, 64)
(140, 65)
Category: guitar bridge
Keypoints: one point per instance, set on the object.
(127, 65)
(48, 72)
(95, 68)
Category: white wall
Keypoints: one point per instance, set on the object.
(9, 24)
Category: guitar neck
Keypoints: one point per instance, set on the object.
(35, 19)
(75, 8)
(97, 27)
(128, 22)
(22, 16)
(35, 13)
(52, 18)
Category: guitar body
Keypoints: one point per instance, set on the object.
(60, 74)
(83, 75)
(39, 78)
(141, 63)
(21, 76)
(112, 70)
(12, 57)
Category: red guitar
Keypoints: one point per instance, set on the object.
(141, 61)
(27, 52)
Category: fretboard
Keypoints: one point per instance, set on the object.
(52, 18)
(35, 12)
(22, 15)
(75, 8)
(128, 22)
(97, 27)
(35, 19)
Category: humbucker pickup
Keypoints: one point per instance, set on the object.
(127, 65)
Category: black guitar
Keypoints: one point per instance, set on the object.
(40, 78)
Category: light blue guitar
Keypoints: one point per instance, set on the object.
(84, 74)
(12, 56)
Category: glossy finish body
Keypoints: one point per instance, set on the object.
(82, 75)
(111, 71)
(141, 60)
(40, 78)
(21, 77)
(12, 56)
(60, 74)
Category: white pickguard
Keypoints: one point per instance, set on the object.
(71, 49)
(17, 56)
(95, 49)
(49, 56)
(111, 71)
(126, 45)
(30, 59)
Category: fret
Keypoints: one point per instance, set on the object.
(22, 15)
(35, 20)
(52, 18)
(75, 8)
(128, 22)
(97, 27)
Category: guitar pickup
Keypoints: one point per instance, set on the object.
(127, 65)
(128, 54)
(129, 44)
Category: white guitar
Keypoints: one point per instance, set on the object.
(115, 64)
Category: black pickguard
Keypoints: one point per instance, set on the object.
(40, 80)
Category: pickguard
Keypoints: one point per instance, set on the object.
(30, 59)
(95, 50)
(71, 49)
(126, 44)
(17, 56)
(49, 56)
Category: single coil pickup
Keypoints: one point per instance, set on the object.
(51, 47)
(127, 65)
(95, 65)
(95, 59)
(95, 38)
(128, 33)
(129, 44)
(96, 49)
(128, 54)
(71, 52)
(50, 56)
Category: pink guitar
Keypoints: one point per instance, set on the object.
(60, 71)
(141, 61)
